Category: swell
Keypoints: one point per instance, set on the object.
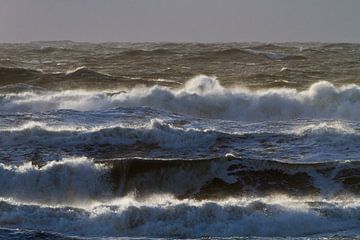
(204, 97)
(154, 52)
(275, 55)
(15, 75)
(81, 77)
(20, 87)
(53, 50)
(244, 54)
(156, 132)
(222, 53)
(15, 234)
(38, 78)
(235, 54)
(41, 140)
(76, 180)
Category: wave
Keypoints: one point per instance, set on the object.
(240, 54)
(15, 75)
(20, 87)
(166, 135)
(13, 234)
(204, 96)
(53, 50)
(232, 53)
(154, 133)
(327, 129)
(251, 53)
(269, 47)
(163, 216)
(70, 180)
(154, 52)
(231, 176)
(81, 77)
(81, 180)
(276, 56)
(85, 74)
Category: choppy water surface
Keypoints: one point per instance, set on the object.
(230, 141)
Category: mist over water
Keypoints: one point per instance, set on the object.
(179, 140)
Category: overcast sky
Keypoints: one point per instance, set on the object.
(180, 20)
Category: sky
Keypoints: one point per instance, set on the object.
(180, 20)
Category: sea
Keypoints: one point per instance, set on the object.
(179, 140)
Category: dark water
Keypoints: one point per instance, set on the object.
(230, 141)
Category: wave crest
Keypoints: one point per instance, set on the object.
(74, 180)
(204, 96)
(156, 132)
(163, 216)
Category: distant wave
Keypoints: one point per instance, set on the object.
(14, 75)
(254, 53)
(154, 52)
(240, 54)
(203, 96)
(77, 78)
(20, 87)
(276, 56)
(84, 73)
(231, 53)
(52, 50)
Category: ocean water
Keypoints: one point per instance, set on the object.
(179, 141)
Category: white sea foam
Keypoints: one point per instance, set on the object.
(326, 129)
(203, 96)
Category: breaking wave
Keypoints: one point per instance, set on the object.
(81, 180)
(160, 198)
(164, 216)
(66, 181)
(204, 96)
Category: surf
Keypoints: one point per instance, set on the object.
(204, 97)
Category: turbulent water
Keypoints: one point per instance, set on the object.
(165, 140)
